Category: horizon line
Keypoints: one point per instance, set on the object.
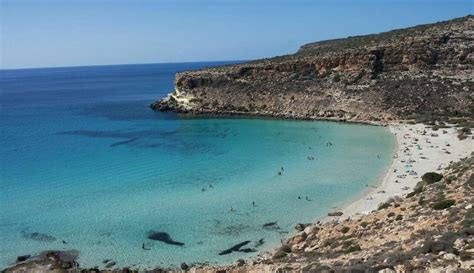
(123, 64)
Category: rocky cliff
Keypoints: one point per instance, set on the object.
(424, 70)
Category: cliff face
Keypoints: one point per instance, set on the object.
(424, 70)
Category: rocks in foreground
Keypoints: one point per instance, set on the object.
(46, 261)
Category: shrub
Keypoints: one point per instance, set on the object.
(466, 130)
(285, 248)
(421, 201)
(431, 177)
(445, 243)
(364, 224)
(345, 229)
(399, 217)
(391, 214)
(279, 254)
(469, 219)
(470, 181)
(465, 256)
(384, 205)
(443, 204)
(353, 248)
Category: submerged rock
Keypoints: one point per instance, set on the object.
(22, 258)
(162, 237)
(271, 226)
(184, 266)
(336, 213)
(40, 237)
(110, 264)
(237, 248)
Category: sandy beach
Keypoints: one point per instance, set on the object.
(419, 150)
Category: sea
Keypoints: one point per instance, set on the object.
(86, 165)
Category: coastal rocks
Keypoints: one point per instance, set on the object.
(301, 227)
(22, 258)
(46, 261)
(184, 266)
(335, 213)
(298, 238)
(239, 262)
(162, 237)
(311, 230)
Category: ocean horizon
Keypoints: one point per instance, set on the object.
(86, 165)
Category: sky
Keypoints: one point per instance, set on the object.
(52, 33)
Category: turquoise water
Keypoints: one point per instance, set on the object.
(84, 161)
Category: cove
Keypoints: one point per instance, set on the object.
(84, 161)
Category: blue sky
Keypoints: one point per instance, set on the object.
(45, 33)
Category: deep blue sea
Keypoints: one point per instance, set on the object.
(86, 165)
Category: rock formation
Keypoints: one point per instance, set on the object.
(423, 70)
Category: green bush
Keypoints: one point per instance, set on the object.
(445, 243)
(353, 248)
(469, 219)
(443, 204)
(431, 177)
(470, 181)
(384, 206)
(465, 256)
(466, 130)
(345, 230)
(285, 248)
(399, 217)
(279, 254)
(364, 224)
(391, 214)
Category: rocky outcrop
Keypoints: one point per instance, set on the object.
(424, 70)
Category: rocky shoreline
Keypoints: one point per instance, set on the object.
(423, 73)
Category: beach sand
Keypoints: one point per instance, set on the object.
(419, 150)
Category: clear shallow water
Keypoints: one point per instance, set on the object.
(84, 160)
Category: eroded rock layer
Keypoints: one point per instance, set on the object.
(423, 70)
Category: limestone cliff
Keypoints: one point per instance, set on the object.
(423, 70)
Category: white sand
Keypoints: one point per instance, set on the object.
(416, 154)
